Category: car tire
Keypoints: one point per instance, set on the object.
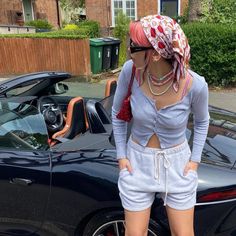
(105, 224)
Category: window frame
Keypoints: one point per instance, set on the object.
(123, 8)
(159, 4)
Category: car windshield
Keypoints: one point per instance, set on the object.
(22, 127)
(22, 88)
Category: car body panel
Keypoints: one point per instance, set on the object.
(23, 206)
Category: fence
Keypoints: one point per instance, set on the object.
(26, 55)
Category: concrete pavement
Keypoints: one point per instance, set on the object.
(225, 99)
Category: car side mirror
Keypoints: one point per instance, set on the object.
(61, 88)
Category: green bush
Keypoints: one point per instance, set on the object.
(120, 31)
(39, 24)
(213, 51)
(91, 27)
(71, 27)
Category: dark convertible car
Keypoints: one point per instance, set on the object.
(58, 172)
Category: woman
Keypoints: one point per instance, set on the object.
(157, 157)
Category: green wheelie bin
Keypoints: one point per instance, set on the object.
(96, 54)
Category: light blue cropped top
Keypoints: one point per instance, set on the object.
(168, 123)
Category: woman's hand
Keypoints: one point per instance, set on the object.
(191, 165)
(125, 163)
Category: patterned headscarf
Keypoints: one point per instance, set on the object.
(169, 40)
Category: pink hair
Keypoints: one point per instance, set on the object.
(138, 37)
(137, 34)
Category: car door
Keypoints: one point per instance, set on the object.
(24, 168)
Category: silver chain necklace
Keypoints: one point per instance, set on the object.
(158, 94)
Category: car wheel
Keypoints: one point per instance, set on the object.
(112, 224)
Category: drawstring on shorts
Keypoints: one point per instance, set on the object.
(157, 167)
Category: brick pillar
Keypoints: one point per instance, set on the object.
(100, 10)
(184, 5)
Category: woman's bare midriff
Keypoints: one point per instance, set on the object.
(153, 142)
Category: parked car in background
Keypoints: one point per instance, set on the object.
(58, 168)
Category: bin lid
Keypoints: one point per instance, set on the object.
(96, 42)
(114, 40)
(106, 41)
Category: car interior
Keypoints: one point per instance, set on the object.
(67, 118)
(84, 118)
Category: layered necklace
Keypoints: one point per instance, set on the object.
(161, 81)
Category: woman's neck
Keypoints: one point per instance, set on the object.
(160, 68)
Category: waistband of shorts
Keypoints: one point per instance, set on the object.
(170, 150)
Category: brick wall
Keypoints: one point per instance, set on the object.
(46, 9)
(146, 7)
(7, 11)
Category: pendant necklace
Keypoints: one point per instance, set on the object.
(161, 81)
(158, 94)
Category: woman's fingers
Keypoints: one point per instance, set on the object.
(125, 163)
(190, 165)
(186, 169)
(129, 167)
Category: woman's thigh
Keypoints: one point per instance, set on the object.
(136, 222)
(181, 221)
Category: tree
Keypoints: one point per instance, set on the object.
(72, 3)
(194, 10)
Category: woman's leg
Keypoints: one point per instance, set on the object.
(181, 221)
(136, 222)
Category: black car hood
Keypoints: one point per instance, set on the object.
(220, 144)
(45, 79)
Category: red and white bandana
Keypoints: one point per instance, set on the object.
(169, 40)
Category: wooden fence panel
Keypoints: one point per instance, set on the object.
(26, 55)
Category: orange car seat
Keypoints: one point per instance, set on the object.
(76, 120)
(110, 87)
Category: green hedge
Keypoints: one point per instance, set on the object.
(66, 34)
(213, 52)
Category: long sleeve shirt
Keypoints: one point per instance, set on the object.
(168, 123)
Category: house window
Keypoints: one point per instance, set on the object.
(128, 7)
(169, 7)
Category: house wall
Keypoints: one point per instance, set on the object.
(7, 11)
(43, 9)
(100, 10)
(46, 9)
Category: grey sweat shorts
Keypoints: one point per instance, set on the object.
(157, 171)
